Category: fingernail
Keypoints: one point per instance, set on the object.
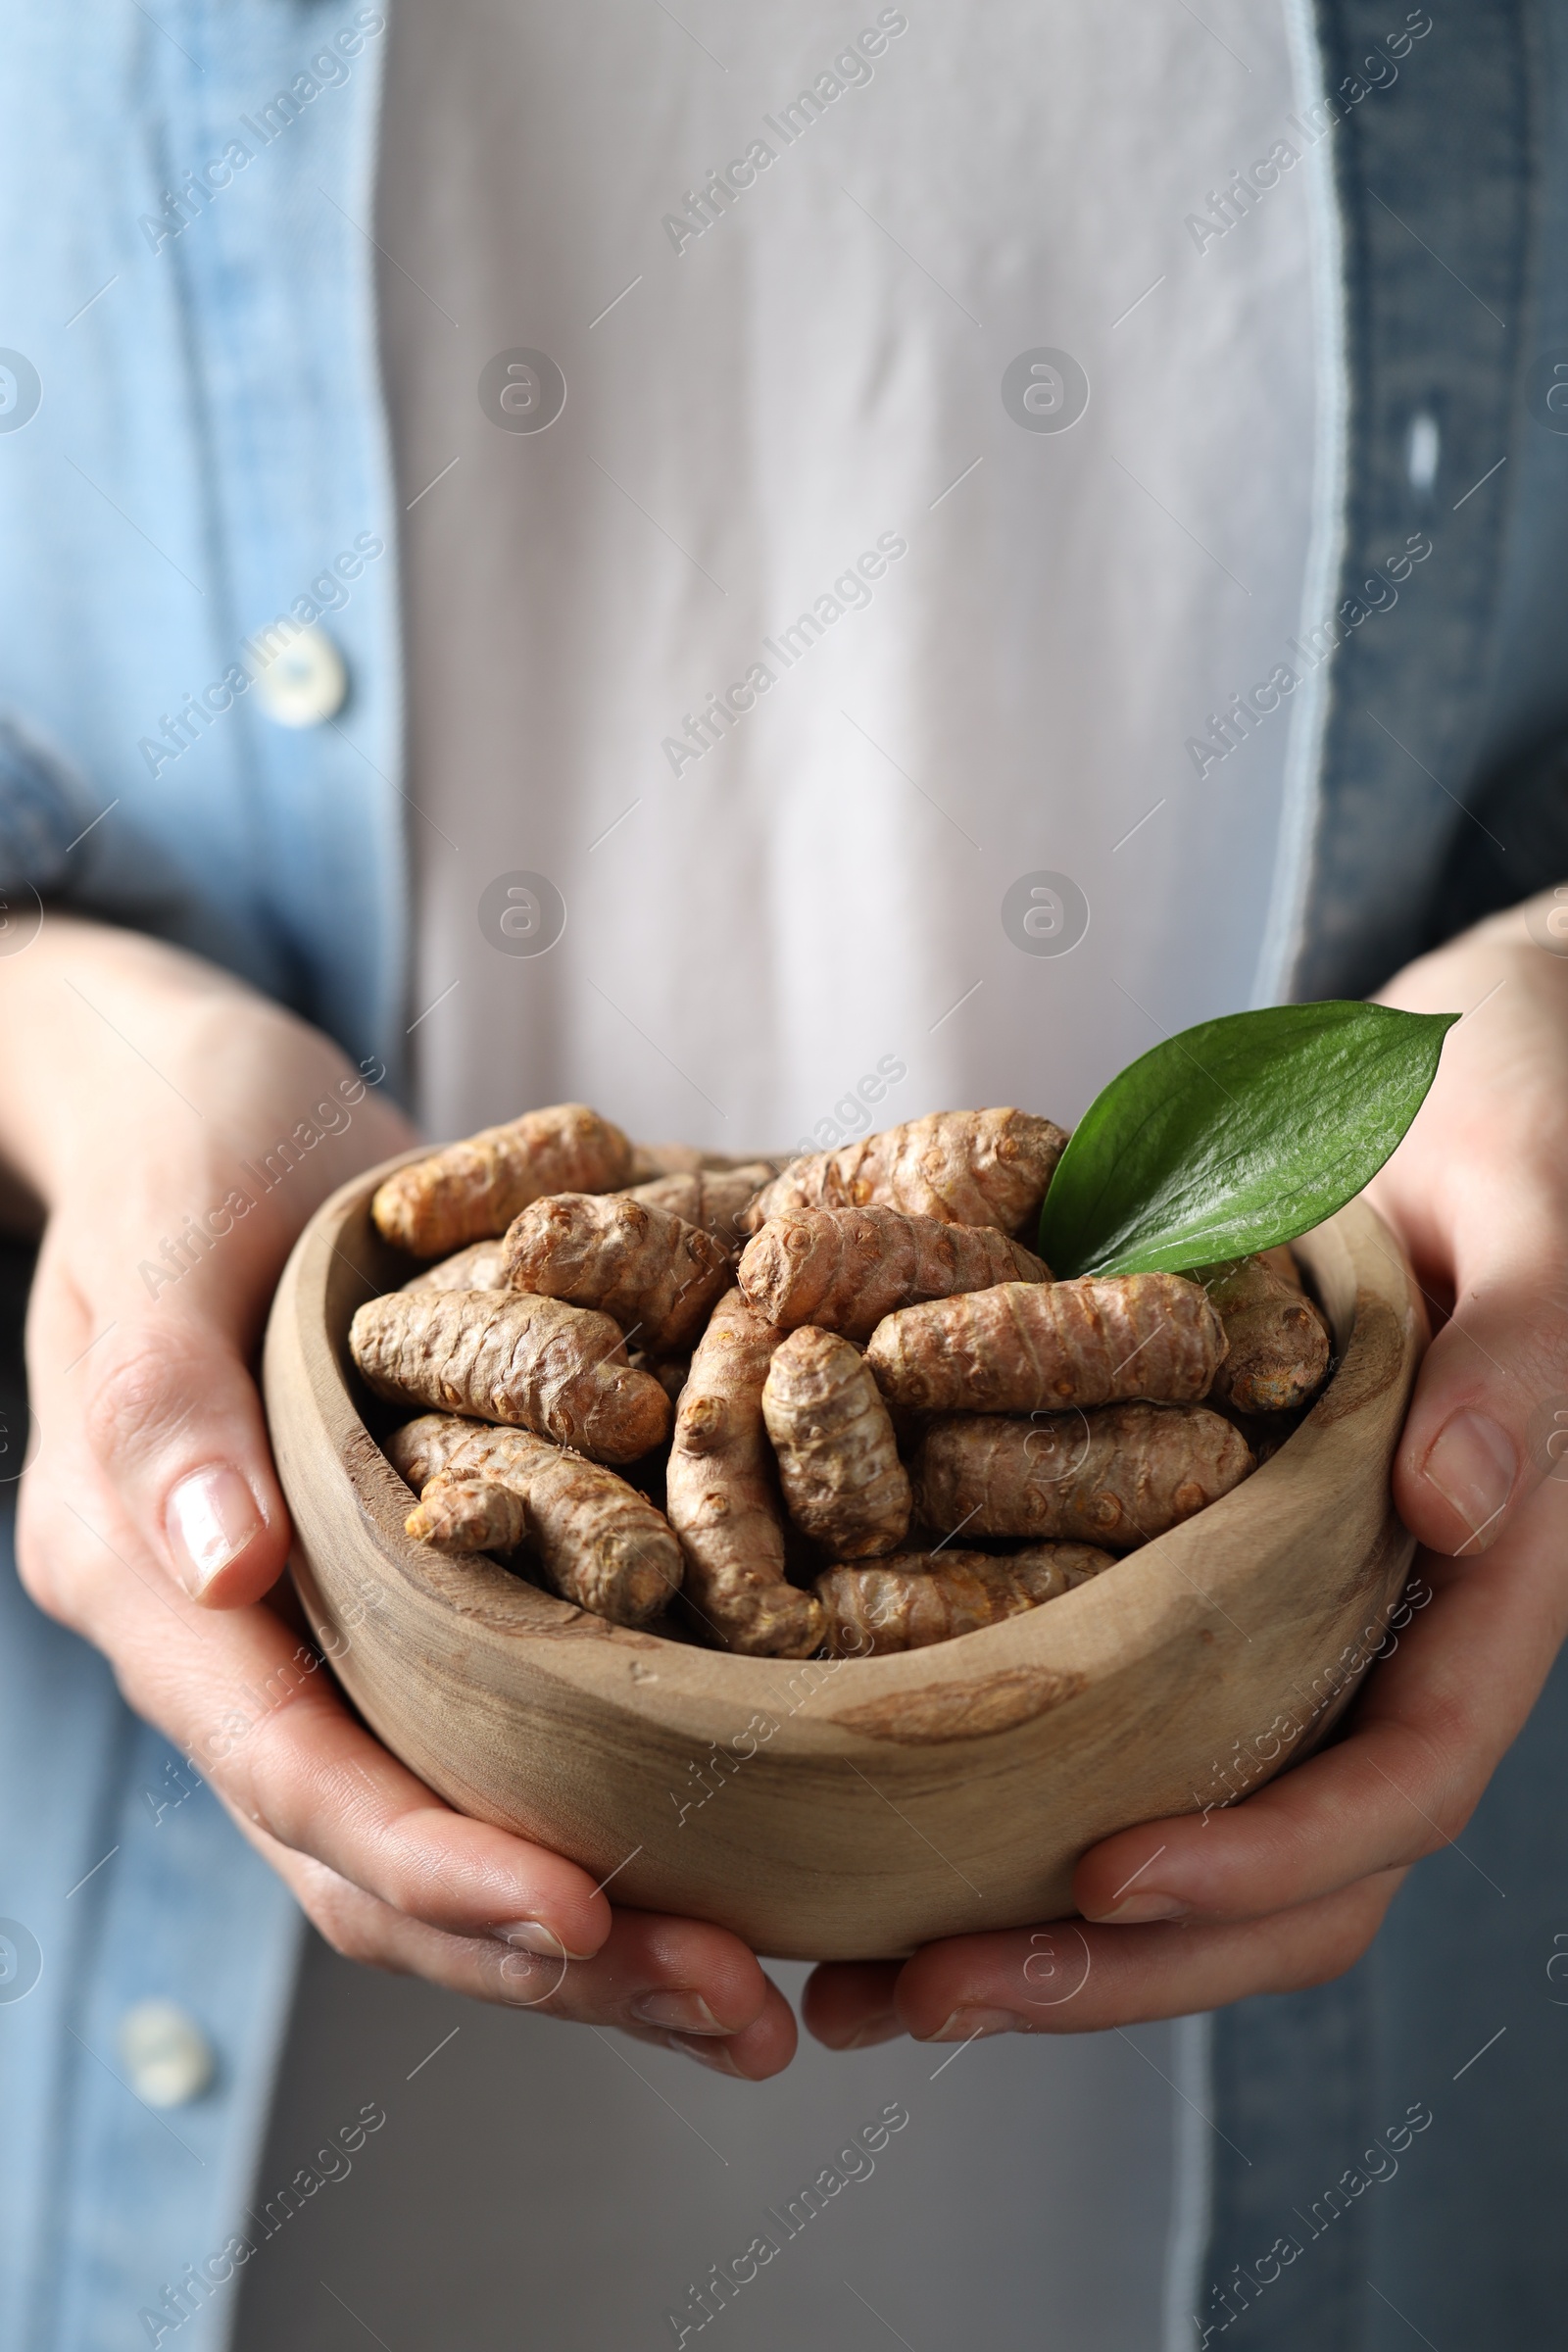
(1473, 1465)
(686, 2010)
(706, 2053)
(529, 1977)
(532, 1935)
(875, 2030)
(969, 2025)
(1145, 1905)
(211, 1517)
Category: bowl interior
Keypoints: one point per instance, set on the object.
(359, 1265)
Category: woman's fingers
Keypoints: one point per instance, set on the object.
(256, 1711)
(676, 1982)
(1478, 1193)
(152, 1399)
(1426, 1736)
(173, 1421)
(1489, 1419)
(1072, 1977)
(307, 1774)
(852, 2004)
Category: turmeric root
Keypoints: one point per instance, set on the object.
(919, 1597)
(882, 1298)
(712, 1197)
(724, 1497)
(482, 1266)
(600, 1543)
(654, 1273)
(966, 1167)
(468, 1515)
(472, 1190)
(536, 1363)
(1115, 1478)
(838, 1461)
(844, 1269)
(1023, 1348)
(1277, 1343)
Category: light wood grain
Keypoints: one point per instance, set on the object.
(893, 1800)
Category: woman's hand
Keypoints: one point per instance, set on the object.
(178, 1131)
(1289, 1887)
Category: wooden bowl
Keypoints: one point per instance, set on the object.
(853, 1810)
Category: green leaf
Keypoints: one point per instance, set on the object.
(1236, 1135)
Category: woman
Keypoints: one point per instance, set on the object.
(995, 401)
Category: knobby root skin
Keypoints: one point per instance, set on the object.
(601, 1544)
(844, 1269)
(917, 1597)
(723, 1500)
(534, 1363)
(1024, 1347)
(853, 1301)
(965, 1167)
(714, 1199)
(470, 1190)
(1277, 1343)
(654, 1273)
(482, 1266)
(468, 1515)
(838, 1460)
(1116, 1477)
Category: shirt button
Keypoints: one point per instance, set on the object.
(304, 682)
(167, 2057)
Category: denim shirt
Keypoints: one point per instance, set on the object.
(194, 467)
